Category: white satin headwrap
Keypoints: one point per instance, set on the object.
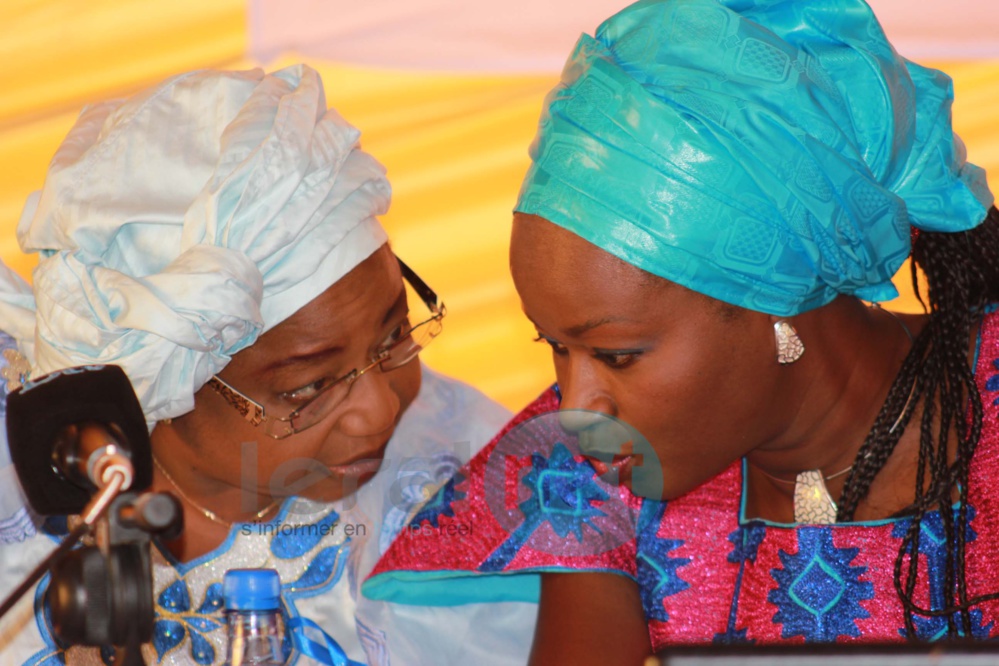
(176, 226)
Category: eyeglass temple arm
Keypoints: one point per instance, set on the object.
(426, 294)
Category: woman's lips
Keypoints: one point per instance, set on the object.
(364, 466)
(621, 467)
(358, 468)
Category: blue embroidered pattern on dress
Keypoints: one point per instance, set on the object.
(441, 504)
(323, 571)
(819, 592)
(175, 619)
(562, 493)
(417, 478)
(656, 570)
(290, 542)
(992, 383)
(746, 540)
(933, 546)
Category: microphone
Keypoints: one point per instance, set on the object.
(70, 431)
(76, 433)
(87, 452)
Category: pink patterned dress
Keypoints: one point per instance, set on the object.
(705, 574)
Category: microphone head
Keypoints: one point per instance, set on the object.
(41, 409)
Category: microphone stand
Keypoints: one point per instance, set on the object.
(74, 536)
(119, 477)
(122, 524)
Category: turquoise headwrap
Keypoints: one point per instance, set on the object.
(771, 154)
(176, 226)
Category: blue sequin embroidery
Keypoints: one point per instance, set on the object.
(441, 504)
(933, 546)
(992, 383)
(746, 540)
(175, 620)
(563, 492)
(656, 570)
(819, 592)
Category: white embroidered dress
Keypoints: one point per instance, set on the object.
(321, 551)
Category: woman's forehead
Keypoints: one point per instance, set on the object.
(538, 243)
(546, 257)
(567, 283)
(565, 286)
(357, 306)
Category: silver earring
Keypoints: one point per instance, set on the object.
(789, 345)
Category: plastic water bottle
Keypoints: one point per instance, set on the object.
(252, 602)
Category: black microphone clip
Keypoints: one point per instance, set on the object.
(64, 428)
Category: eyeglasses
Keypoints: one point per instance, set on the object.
(403, 346)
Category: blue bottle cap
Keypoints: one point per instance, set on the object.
(251, 589)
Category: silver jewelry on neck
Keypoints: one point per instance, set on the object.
(908, 333)
(812, 502)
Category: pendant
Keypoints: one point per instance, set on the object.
(812, 502)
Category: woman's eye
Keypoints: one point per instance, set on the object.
(398, 333)
(617, 360)
(307, 392)
(557, 347)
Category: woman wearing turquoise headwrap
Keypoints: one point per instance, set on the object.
(216, 236)
(717, 188)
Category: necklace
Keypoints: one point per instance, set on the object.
(207, 513)
(812, 501)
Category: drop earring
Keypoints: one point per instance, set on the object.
(789, 346)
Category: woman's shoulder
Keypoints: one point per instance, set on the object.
(988, 332)
(987, 361)
(987, 376)
(527, 503)
(452, 409)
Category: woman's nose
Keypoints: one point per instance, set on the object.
(583, 392)
(372, 406)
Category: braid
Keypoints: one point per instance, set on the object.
(962, 275)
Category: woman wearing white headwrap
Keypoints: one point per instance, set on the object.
(216, 237)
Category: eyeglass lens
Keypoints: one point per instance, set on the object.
(399, 354)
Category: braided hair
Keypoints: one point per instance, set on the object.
(962, 277)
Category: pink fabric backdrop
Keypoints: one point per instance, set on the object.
(536, 35)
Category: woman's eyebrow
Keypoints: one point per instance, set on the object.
(322, 354)
(579, 329)
(304, 357)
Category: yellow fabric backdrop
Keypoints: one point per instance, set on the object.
(454, 145)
